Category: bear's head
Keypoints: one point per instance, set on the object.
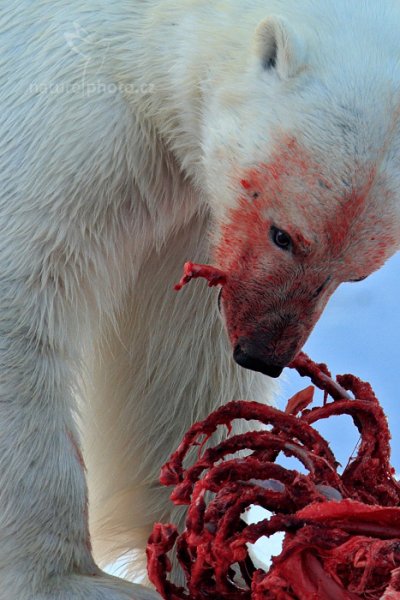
(301, 159)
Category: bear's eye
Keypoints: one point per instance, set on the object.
(281, 238)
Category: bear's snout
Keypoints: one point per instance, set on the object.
(267, 328)
(250, 360)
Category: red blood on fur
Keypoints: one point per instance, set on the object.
(248, 222)
(271, 299)
(333, 228)
(342, 531)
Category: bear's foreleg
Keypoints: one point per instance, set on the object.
(45, 551)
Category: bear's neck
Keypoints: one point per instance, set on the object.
(174, 71)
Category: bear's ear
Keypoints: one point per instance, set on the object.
(277, 47)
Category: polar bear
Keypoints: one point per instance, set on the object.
(260, 135)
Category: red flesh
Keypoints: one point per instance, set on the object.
(346, 549)
(191, 271)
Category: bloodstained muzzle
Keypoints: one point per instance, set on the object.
(269, 347)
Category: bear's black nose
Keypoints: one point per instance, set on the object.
(248, 361)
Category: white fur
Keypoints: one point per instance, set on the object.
(104, 196)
